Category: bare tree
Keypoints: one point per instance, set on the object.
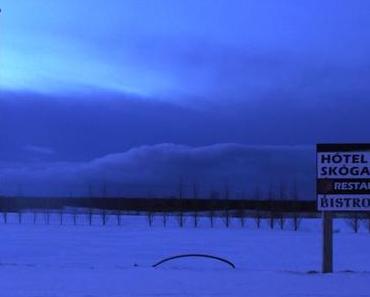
(257, 196)
(119, 218)
(354, 222)
(74, 216)
(34, 216)
(271, 199)
(20, 195)
(180, 195)
(5, 216)
(61, 216)
(90, 211)
(296, 216)
(4, 208)
(226, 205)
(213, 196)
(61, 208)
(104, 211)
(150, 217)
(164, 218)
(149, 212)
(195, 197)
(282, 196)
(47, 211)
(241, 212)
(164, 213)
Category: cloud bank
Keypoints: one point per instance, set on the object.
(88, 126)
(165, 169)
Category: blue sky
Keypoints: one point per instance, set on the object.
(177, 47)
(82, 80)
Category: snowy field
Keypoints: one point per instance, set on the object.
(110, 261)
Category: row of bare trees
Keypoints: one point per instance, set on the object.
(275, 219)
(228, 216)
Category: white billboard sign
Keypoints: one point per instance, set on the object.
(343, 177)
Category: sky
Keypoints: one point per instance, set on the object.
(83, 82)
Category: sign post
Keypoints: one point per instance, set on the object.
(327, 261)
(343, 184)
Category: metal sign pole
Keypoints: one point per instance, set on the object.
(327, 228)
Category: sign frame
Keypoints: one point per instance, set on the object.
(349, 190)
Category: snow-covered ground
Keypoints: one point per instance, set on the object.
(109, 261)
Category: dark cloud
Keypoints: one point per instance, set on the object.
(160, 169)
(90, 125)
(87, 126)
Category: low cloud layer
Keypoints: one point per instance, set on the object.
(88, 126)
(114, 143)
(167, 169)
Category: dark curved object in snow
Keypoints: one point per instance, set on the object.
(195, 255)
